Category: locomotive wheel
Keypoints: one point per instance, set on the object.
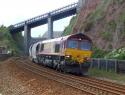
(63, 69)
(35, 60)
(59, 68)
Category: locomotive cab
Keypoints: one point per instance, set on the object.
(78, 48)
(77, 53)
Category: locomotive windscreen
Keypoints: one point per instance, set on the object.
(72, 44)
(79, 44)
(85, 45)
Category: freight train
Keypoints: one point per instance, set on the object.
(70, 53)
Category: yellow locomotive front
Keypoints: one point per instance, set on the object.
(78, 52)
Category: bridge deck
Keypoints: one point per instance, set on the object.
(43, 19)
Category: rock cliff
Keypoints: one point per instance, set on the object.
(104, 22)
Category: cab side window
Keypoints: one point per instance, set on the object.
(42, 47)
(37, 48)
(57, 48)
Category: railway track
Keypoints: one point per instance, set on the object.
(88, 85)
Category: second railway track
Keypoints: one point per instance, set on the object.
(88, 85)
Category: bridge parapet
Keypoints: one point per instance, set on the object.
(57, 11)
(37, 18)
(74, 5)
(19, 24)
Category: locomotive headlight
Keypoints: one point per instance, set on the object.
(68, 56)
(87, 58)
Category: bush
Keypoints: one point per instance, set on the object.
(7, 40)
(116, 54)
(98, 53)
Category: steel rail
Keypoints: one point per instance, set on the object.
(55, 78)
(92, 85)
(105, 84)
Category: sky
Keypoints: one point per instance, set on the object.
(15, 11)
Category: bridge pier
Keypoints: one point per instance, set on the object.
(50, 27)
(27, 38)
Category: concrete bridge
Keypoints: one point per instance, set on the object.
(43, 19)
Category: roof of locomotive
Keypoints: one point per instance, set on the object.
(56, 39)
(64, 38)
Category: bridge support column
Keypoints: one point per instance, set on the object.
(50, 27)
(27, 37)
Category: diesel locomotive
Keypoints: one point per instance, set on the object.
(70, 53)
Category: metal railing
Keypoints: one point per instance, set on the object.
(64, 8)
(46, 15)
(109, 65)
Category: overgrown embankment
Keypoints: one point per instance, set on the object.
(7, 41)
(68, 30)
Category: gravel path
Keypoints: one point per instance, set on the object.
(16, 81)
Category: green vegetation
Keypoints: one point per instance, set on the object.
(111, 26)
(100, 10)
(88, 26)
(69, 28)
(122, 19)
(122, 16)
(19, 41)
(7, 41)
(119, 1)
(116, 54)
(98, 53)
(110, 75)
(107, 35)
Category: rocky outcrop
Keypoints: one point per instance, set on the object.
(86, 10)
(104, 22)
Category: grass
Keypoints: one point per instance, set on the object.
(120, 78)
